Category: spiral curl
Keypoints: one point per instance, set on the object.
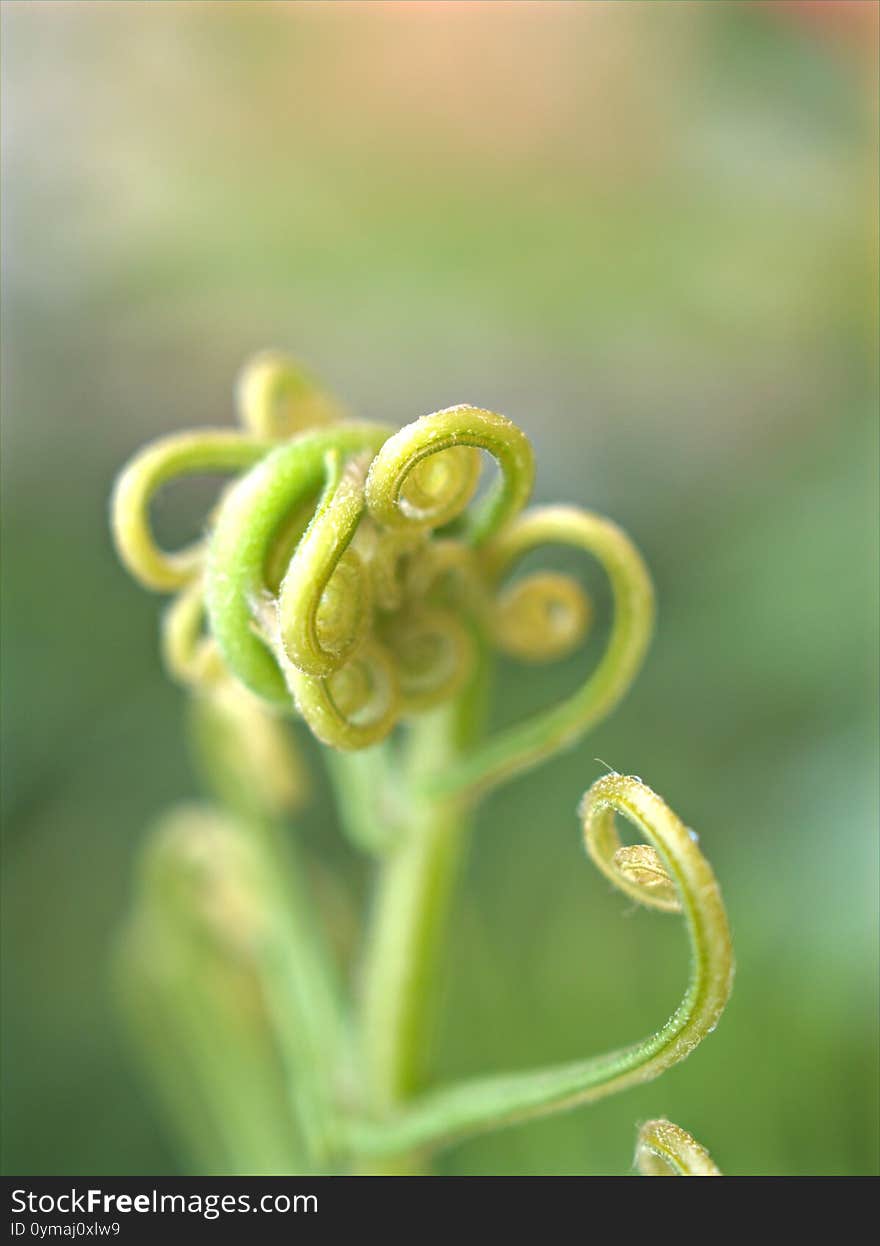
(324, 600)
(519, 612)
(277, 398)
(447, 1115)
(345, 574)
(426, 474)
(190, 654)
(434, 654)
(182, 454)
(355, 707)
(247, 523)
(542, 618)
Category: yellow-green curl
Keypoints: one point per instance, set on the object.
(443, 1116)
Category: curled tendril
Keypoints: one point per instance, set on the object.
(426, 474)
(445, 1115)
(546, 732)
(392, 557)
(190, 655)
(324, 601)
(448, 572)
(250, 518)
(277, 398)
(182, 454)
(358, 640)
(434, 653)
(354, 707)
(666, 1150)
(541, 618)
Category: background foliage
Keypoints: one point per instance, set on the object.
(646, 233)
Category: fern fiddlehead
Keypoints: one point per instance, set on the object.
(348, 577)
(337, 566)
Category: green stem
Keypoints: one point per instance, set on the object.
(410, 913)
(366, 787)
(408, 924)
(407, 932)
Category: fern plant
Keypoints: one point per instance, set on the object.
(348, 577)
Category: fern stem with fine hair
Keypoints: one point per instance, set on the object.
(410, 913)
(406, 930)
(440, 1117)
(277, 397)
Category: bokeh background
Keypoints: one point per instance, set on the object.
(645, 232)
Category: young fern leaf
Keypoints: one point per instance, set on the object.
(440, 1117)
(345, 576)
(666, 1150)
(207, 951)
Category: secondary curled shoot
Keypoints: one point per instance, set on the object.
(212, 948)
(667, 1150)
(344, 574)
(445, 1115)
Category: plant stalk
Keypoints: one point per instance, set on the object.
(410, 913)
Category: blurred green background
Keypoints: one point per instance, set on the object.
(646, 233)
